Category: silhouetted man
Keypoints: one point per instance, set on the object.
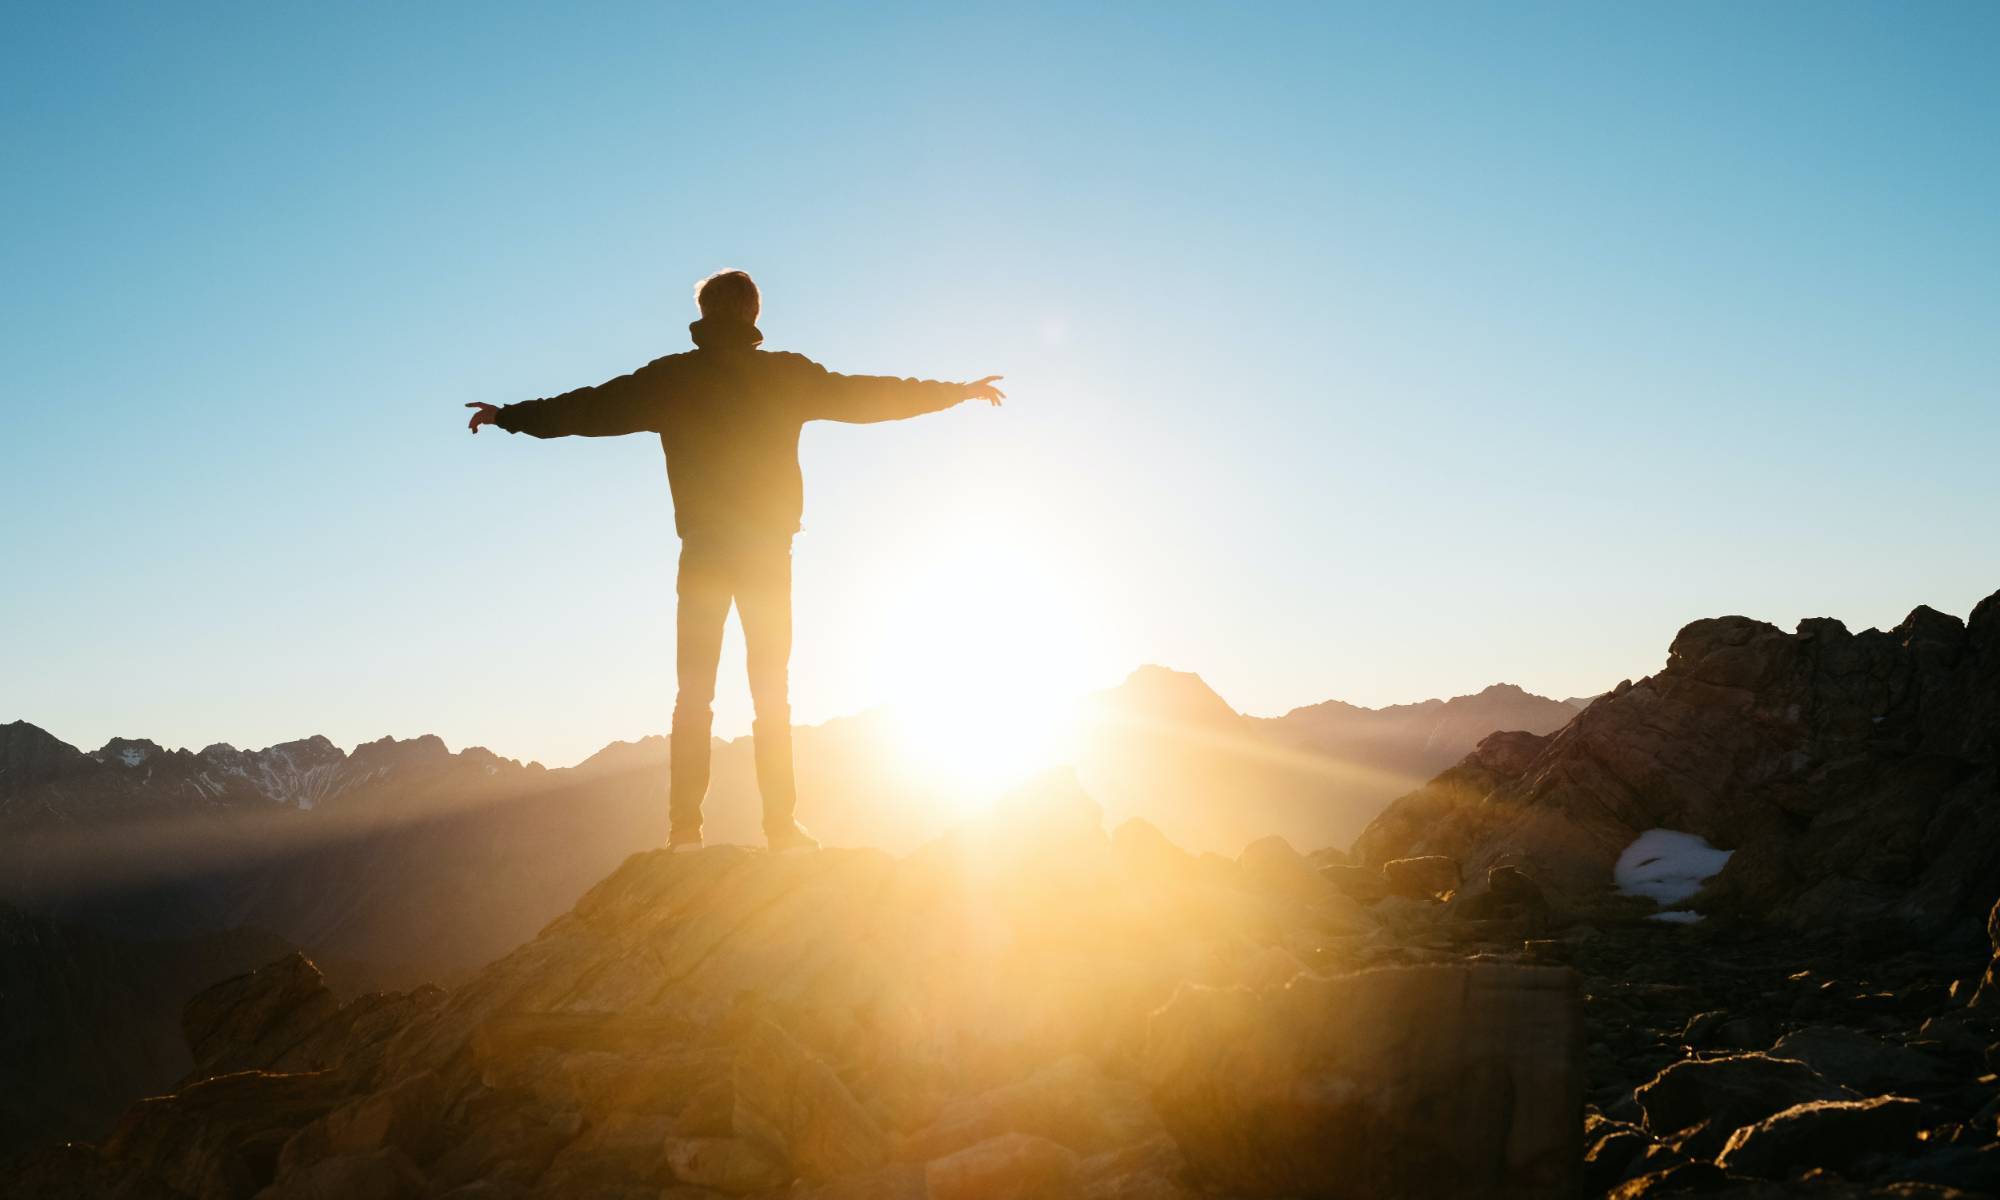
(729, 415)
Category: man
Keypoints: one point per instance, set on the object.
(728, 415)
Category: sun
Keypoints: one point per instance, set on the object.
(988, 646)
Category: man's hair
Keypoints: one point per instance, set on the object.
(728, 296)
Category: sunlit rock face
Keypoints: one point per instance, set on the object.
(1010, 1011)
(1855, 776)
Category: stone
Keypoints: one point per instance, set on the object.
(1461, 1080)
(1013, 1166)
(1608, 1153)
(1511, 885)
(259, 1020)
(730, 1165)
(405, 1117)
(1855, 777)
(382, 1174)
(220, 1138)
(1857, 1060)
(1070, 1102)
(1364, 884)
(1838, 1134)
(621, 1150)
(1680, 1179)
(1730, 1092)
(1426, 877)
(1150, 1170)
(792, 1102)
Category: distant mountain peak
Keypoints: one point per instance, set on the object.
(129, 752)
(1162, 692)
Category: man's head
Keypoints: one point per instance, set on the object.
(728, 296)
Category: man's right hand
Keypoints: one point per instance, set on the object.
(485, 415)
(984, 390)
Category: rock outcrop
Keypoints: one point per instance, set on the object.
(1026, 1009)
(1856, 777)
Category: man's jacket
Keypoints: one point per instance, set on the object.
(728, 415)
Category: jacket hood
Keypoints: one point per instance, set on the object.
(718, 334)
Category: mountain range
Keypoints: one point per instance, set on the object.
(389, 855)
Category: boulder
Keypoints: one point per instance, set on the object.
(1510, 884)
(405, 1117)
(260, 1021)
(1272, 862)
(1069, 1102)
(1149, 1170)
(219, 1139)
(1730, 1092)
(730, 1165)
(791, 1102)
(1364, 884)
(1426, 877)
(1855, 776)
(1836, 1134)
(1857, 1060)
(1013, 1166)
(1462, 1080)
(619, 1152)
(381, 1174)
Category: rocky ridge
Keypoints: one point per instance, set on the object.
(1855, 776)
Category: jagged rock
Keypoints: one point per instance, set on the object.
(503, 1143)
(1837, 1134)
(219, 1139)
(1855, 776)
(261, 1021)
(1364, 884)
(282, 1018)
(730, 1165)
(1418, 1081)
(1441, 816)
(1609, 1150)
(1680, 1179)
(1274, 863)
(1069, 1101)
(793, 1103)
(382, 1174)
(1856, 1060)
(1149, 1170)
(1730, 1092)
(1013, 1166)
(1511, 885)
(622, 1153)
(1427, 877)
(405, 1117)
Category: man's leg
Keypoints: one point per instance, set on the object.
(764, 605)
(703, 592)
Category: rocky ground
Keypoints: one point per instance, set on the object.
(1041, 1009)
(1461, 1006)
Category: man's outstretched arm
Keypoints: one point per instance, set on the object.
(858, 399)
(627, 404)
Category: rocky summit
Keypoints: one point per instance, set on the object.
(1477, 1000)
(1027, 1008)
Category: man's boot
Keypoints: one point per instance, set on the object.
(687, 778)
(773, 746)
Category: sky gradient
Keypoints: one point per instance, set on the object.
(1369, 352)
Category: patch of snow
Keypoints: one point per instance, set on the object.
(1676, 916)
(132, 755)
(1667, 865)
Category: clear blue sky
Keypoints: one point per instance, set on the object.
(1373, 352)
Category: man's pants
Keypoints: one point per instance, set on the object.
(755, 572)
